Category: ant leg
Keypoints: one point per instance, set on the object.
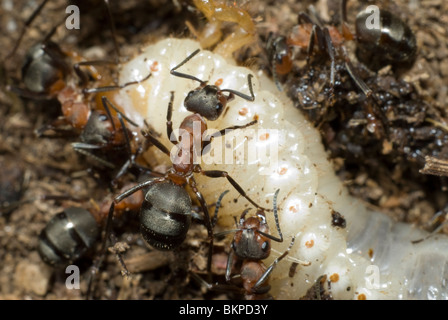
(156, 142)
(184, 75)
(132, 156)
(229, 265)
(117, 87)
(169, 123)
(331, 53)
(218, 286)
(316, 32)
(354, 75)
(224, 174)
(269, 270)
(113, 30)
(83, 77)
(209, 138)
(83, 147)
(240, 94)
(263, 216)
(347, 34)
(208, 224)
(25, 27)
(25, 93)
(106, 104)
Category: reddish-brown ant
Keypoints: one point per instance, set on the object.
(49, 72)
(251, 244)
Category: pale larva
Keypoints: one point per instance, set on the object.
(371, 258)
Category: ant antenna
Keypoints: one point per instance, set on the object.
(25, 27)
(218, 205)
(184, 75)
(242, 95)
(114, 31)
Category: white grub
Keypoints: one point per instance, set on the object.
(309, 189)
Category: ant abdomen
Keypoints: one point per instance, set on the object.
(41, 71)
(165, 215)
(68, 236)
(392, 42)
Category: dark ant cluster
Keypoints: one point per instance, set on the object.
(369, 116)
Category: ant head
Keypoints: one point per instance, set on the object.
(250, 241)
(44, 69)
(207, 100)
(98, 129)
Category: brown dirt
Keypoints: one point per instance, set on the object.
(383, 171)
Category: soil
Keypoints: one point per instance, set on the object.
(42, 175)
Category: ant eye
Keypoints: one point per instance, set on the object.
(103, 117)
(265, 246)
(219, 108)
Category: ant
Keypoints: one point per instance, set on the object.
(72, 233)
(49, 72)
(310, 31)
(251, 244)
(209, 101)
(392, 43)
(167, 210)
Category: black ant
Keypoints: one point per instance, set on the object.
(251, 244)
(392, 43)
(72, 233)
(68, 236)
